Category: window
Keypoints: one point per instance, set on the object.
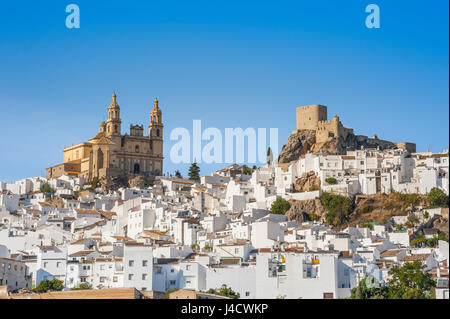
(172, 282)
(171, 270)
(188, 267)
(45, 264)
(131, 263)
(58, 264)
(144, 276)
(115, 279)
(247, 293)
(130, 276)
(102, 267)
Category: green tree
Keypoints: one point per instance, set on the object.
(246, 170)
(269, 156)
(194, 172)
(426, 215)
(280, 206)
(412, 221)
(45, 188)
(338, 208)
(410, 282)
(437, 198)
(224, 291)
(95, 182)
(52, 285)
(178, 174)
(83, 286)
(331, 180)
(368, 288)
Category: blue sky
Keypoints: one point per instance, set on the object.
(228, 63)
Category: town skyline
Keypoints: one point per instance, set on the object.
(248, 73)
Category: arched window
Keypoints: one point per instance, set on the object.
(136, 168)
(115, 128)
(136, 148)
(157, 132)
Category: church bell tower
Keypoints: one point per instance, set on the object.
(113, 124)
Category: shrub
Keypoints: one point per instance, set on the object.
(224, 291)
(331, 181)
(246, 170)
(437, 198)
(338, 207)
(366, 209)
(83, 286)
(52, 285)
(280, 206)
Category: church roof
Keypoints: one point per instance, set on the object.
(103, 141)
(97, 136)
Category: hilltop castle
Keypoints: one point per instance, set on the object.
(314, 117)
(110, 154)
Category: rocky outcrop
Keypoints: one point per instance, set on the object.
(442, 225)
(307, 182)
(298, 144)
(304, 141)
(301, 209)
(137, 181)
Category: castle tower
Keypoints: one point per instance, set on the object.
(155, 129)
(308, 116)
(113, 124)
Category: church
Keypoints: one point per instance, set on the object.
(111, 154)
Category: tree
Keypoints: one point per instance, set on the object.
(331, 181)
(46, 189)
(224, 291)
(83, 286)
(280, 206)
(437, 198)
(338, 208)
(246, 170)
(269, 156)
(426, 215)
(178, 174)
(95, 183)
(52, 285)
(412, 221)
(194, 172)
(369, 288)
(410, 282)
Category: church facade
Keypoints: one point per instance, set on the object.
(109, 153)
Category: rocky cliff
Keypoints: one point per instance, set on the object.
(304, 141)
